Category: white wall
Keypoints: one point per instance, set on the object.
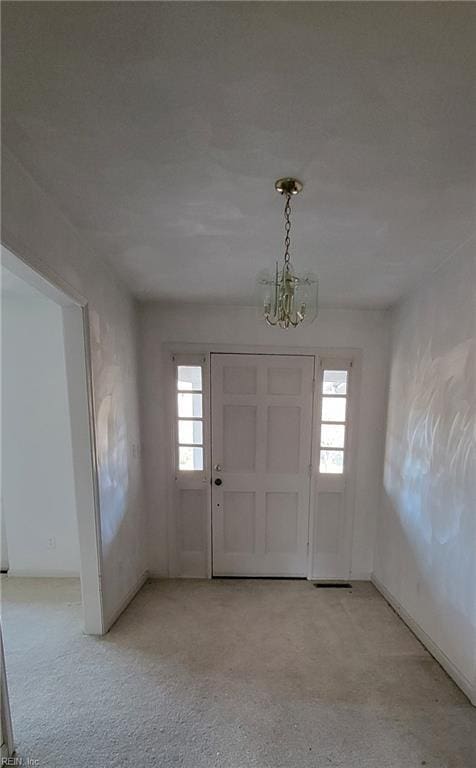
(350, 329)
(37, 469)
(426, 544)
(34, 229)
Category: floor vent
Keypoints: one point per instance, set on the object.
(333, 585)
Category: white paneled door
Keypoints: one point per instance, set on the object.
(261, 418)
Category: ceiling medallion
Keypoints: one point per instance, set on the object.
(288, 299)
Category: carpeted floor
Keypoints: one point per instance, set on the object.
(229, 673)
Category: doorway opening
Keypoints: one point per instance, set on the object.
(50, 525)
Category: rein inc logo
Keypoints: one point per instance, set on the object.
(20, 761)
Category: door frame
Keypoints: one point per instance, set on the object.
(75, 316)
(182, 350)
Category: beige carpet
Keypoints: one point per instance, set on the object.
(236, 674)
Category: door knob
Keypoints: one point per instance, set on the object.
(218, 481)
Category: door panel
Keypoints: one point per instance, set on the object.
(239, 438)
(239, 521)
(284, 381)
(261, 456)
(191, 519)
(283, 455)
(281, 523)
(239, 380)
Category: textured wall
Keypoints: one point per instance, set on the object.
(426, 542)
(35, 229)
(356, 329)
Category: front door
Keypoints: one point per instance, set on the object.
(261, 420)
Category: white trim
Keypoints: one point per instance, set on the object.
(95, 616)
(8, 742)
(354, 405)
(468, 687)
(314, 467)
(35, 272)
(184, 348)
(170, 449)
(126, 600)
(26, 573)
(207, 426)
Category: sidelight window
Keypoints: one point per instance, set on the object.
(190, 417)
(333, 426)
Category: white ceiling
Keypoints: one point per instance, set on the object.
(159, 128)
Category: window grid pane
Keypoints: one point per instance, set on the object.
(189, 404)
(334, 382)
(333, 436)
(334, 408)
(190, 432)
(331, 462)
(190, 458)
(189, 377)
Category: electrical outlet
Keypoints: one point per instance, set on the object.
(51, 543)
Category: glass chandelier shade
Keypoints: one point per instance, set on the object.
(288, 299)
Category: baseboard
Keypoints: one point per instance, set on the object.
(23, 573)
(468, 688)
(126, 600)
(164, 575)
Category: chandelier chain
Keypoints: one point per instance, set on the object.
(287, 228)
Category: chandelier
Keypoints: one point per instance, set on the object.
(288, 299)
